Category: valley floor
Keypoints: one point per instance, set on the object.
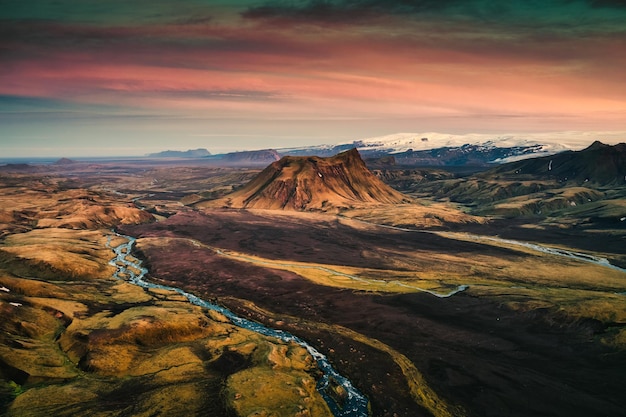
(522, 332)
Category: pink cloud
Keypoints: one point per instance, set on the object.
(286, 71)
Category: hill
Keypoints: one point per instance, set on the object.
(250, 158)
(65, 161)
(191, 153)
(576, 187)
(599, 164)
(314, 183)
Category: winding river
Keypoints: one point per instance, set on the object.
(533, 246)
(584, 257)
(355, 404)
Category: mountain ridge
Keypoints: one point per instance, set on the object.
(480, 149)
(191, 153)
(250, 158)
(599, 163)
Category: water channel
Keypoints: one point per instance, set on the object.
(353, 404)
(579, 256)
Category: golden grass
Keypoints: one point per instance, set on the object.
(539, 268)
(27, 342)
(442, 273)
(173, 344)
(39, 401)
(606, 307)
(45, 205)
(263, 392)
(413, 215)
(291, 356)
(31, 287)
(136, 342)
(362, 279)
(70, 253)
(83, 397)
(418, 386)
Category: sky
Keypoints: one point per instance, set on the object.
(111, 78)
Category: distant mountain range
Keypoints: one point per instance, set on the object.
(191, 153)
(588, 184)
(421, 149)
(439, 149)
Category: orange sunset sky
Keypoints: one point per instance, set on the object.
(81, 78)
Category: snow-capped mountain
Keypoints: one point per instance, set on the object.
(432, 148)
(552, 142)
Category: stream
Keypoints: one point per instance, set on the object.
(534, 246)
(354, 404)
(584, 257)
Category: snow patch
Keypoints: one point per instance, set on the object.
(546, 144)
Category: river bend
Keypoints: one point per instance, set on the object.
(355, 404)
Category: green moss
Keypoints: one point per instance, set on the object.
(9, 390)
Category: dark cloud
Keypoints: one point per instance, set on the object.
(14, 103)
(608, 3)
(49, 32)
(344, 10)
(314, 11)
(515, 12)
(194, 20)
(12, 106)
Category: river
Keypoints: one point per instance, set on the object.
(355, 403)
(579, 256)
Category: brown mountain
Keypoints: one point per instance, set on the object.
(314, 183)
